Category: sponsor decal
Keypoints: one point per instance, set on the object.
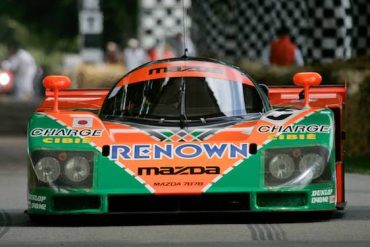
(161, 70)
(181, 135)
(86, 122)
(279, 116)
(174, 184)
(66, 132)
(292, 137)
(322, 196)
(179, 170)
(179, 151)
(312, 128)
(327, 192)
(36, 202)
(65, 140)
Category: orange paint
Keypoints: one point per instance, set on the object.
(206, 69)
(56, 82)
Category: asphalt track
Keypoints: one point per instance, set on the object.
(348, 228)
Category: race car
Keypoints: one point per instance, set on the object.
(187, 135)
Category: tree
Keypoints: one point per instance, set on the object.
(53, 24)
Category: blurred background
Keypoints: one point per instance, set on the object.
(96, 42)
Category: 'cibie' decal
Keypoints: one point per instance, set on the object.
(179, 151)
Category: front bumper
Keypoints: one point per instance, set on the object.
(311, 198)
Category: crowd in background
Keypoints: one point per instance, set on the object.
(23, 69)
(280, 52)
(133, 55)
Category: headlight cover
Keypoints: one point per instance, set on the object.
(296, 166)
(75, 168)
(314, 163)
(47, 169)
(281, 166)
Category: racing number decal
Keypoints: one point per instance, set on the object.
(280, 115)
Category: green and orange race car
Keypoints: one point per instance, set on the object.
(187, 135)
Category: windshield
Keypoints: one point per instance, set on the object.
(162, 99)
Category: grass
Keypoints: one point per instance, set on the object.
(358, 164)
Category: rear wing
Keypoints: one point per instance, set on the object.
(70, 99)
(321, 96)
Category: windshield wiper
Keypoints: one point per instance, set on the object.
(248, 116)
(131, 118)
(140, 119)
(183, 117)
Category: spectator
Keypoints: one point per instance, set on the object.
(162, 51)
(282, 51)
(112, 53)
(24, 67)
(177, 43)
(134, 55)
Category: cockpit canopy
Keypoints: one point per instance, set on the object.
(186, 90)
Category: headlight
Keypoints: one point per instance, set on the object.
(314, 163)
(4, 79)
(77, 169)
(297, 166)
(62, 168)
(281, 166)
(47, 169)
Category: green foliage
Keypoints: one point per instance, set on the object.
(41, 23)
(54, 25)
(13, 31)
(50, 62)
(358, 116)
(49, 27)
(358, 164)
(120, 20)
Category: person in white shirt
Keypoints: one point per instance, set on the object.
(24, 67)
(134, 55)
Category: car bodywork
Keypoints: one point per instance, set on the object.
(90, 153)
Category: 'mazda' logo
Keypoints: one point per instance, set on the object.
(160, 70)
(179, 170)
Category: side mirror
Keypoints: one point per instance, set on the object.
(307, 80)
(55, 83)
